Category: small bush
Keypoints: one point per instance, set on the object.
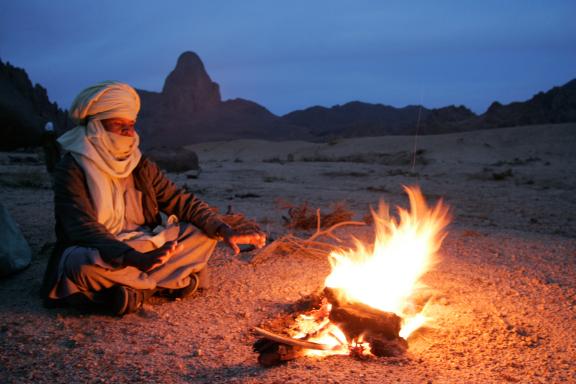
(378, 189)
(34, 180)
(517, 161)
(401, 172)
(346, 174)
(272, 179)
(334, 141)
(398, 158)
(274, 159)
(489, 174)
(502, 175)
(305, 217)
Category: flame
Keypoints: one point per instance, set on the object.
(386, 275)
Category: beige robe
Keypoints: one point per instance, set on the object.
(82, 270)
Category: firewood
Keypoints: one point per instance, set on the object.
(334, 296)
(272, 353)
(285, 340)
(387, 348)
(269, 359)
(290, 244)
(357, 320)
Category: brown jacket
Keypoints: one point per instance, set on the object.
(76, 218)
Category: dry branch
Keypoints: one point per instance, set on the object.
(291, 341)
(290, 244)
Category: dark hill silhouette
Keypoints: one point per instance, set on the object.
(356, 119)
(24, 109)
(558, 105)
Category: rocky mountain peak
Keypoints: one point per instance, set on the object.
(190, 61)
(189, 88)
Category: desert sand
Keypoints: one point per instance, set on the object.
(504, 302)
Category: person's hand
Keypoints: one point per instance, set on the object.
(233, 239)
(147, 261)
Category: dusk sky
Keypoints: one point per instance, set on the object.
(295, 54)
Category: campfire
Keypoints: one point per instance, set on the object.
(373, 298)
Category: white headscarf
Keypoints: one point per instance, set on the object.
(106, 158)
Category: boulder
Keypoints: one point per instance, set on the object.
(175, 159)
(15, 253)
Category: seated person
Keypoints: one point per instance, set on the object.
(112, 246)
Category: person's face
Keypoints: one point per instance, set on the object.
(120, 126)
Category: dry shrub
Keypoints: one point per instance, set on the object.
(289, 245)
(489, 174)
(301, 217)
(346, 174)
(400, 158)
(240, 223)
(305, 217)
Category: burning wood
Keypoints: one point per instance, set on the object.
(365, 330)
(381, 330)
(272, 353)
(357, 320)
(274, 349)
(292, 342)
(367, 307)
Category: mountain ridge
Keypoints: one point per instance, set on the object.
(190, 109)
(245, 119)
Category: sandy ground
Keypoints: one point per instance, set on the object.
(505, 301)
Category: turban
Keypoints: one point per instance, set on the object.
(96, 151)
(105, 100)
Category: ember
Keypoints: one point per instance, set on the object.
(369, 306)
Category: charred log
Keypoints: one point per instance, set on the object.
(356, 319)
(334, 296)
(380, 329)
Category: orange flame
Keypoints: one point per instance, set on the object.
(386, 275)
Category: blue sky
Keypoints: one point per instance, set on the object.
(289, 55)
